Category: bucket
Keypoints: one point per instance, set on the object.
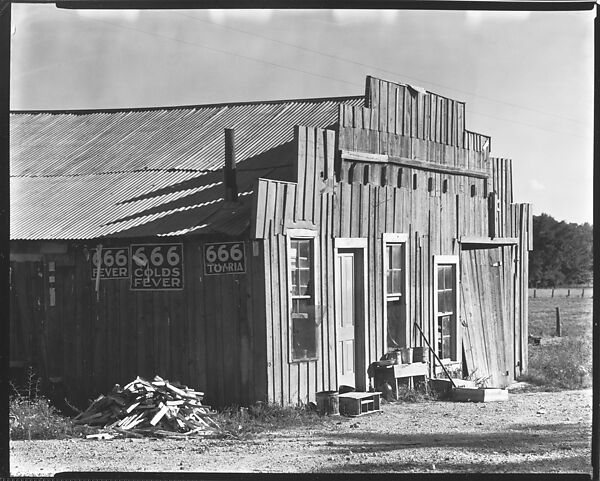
(328, 402)
(419, 354)
(407, 355)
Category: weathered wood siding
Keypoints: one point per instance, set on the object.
(391, 108)
(487, 310)
(469, 196)
(204, 335)
(435, 209)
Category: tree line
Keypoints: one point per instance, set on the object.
(562, 253)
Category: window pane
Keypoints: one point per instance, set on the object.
(449, 275)
(294, 253)
(396, 254)
(304, 282)
(301, 306)
(304, 342)
(295, 287)
(441, 301)
(446, 336)
(440, 278)
(449, 300)
(397, 281)
(389, 282)
(304, 250)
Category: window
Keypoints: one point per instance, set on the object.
(395, 271)
(394, 265)
(303, 325)
(446, 308)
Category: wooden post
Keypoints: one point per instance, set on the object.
(558, 322)
(582, 292)
(553, 292)
(568, 292)
(534, 293)
(231, 192)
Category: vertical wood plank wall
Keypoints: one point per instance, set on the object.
(368, 199)
(365, 203)
(204, 336)
(228, 335)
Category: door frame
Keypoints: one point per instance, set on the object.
(389, 238)
(446, 260)
(360, 248)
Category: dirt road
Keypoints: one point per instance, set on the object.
(531, 432)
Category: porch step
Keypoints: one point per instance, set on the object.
(359, 403)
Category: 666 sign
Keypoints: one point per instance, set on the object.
(156, 267)
(224, 258)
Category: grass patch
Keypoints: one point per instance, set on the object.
(242, 422)
(565, 363)
(560, 362)
(32, 416)
(37, 419)
(416, 395)
(575, 316)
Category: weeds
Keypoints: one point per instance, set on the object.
(563, 364)
(31, 416)
(407, 395)
(241, 422)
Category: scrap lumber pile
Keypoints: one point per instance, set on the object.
(157, 408)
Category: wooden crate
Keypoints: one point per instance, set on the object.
(479, 395)
(359, 403)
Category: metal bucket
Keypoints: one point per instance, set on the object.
(407, 355)
(328, 402)
(419, 354)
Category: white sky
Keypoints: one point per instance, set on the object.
(527, 77)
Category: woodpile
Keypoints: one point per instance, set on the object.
(157, 408)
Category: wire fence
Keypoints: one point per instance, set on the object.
(583, 292)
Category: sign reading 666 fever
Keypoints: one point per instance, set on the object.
(156, 267)
(224, 258)
(113, 263)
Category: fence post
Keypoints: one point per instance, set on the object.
(535, 293)
(553, 292)
(568, 292)
(582, 292)
(558, 322)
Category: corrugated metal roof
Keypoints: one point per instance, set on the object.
(146, 172)
(78, 143)
(127, 204)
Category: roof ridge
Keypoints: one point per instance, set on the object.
(133, 171)
(182, 107)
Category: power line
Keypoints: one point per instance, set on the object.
(301, 70)
(344, 59)
(273, 64)
(530, 125)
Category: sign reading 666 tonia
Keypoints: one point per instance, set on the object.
(156, 267)
(224, 258)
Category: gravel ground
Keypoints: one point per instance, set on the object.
(531, 432)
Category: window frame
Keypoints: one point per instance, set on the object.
(312, 236)
(442, 260)
(389, 238)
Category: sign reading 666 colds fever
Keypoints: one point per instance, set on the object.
(224, 258)
(156, 267)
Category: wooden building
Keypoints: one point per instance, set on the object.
(264, 250)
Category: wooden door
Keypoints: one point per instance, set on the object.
(346, 296)
(487, 313)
